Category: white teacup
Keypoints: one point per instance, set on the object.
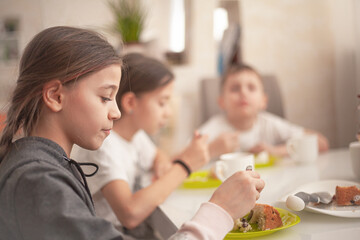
(303, 149)
(354, 148)
(230, 163)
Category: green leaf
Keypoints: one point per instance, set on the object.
(129, 19)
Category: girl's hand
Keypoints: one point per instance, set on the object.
(237, 195)
(224, 143)
(262, 147)
(279, 150)
(196, 154)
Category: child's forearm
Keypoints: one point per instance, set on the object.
(214, 150)
(279, 151)
(143, 202)
(323, 143)
(162, 163)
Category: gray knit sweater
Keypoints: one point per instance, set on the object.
(42, 198)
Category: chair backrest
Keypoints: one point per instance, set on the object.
(209, 93)
(273, 91)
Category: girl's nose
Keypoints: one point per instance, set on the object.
(114, 112)
(242, 91)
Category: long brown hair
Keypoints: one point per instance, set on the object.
(64, 53)
(142, 74)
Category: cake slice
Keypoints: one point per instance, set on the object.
(266, 216)
(347, 196)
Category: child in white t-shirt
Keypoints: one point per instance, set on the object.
(65, 95)
(245, 125)
(143, 98)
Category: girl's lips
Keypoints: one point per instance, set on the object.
(107, 131)
(163, 125)
(243, 103)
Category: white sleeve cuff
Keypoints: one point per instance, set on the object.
(211, 222)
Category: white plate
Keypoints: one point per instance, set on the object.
(331, 209)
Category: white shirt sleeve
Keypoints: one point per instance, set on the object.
(278, 130)
(211, 222)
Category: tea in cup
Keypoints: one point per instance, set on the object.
(304, 148)
(230, 163)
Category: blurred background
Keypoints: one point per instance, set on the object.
(311, 49)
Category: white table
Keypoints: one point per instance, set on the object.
(281, 179)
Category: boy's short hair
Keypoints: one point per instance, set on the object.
(237, 68)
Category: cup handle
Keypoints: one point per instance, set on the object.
(291, 148)
(220, 168)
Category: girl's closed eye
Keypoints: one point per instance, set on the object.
(106, 99)
(251, 87)
(162, 103)
(107, 93)
(235, 88)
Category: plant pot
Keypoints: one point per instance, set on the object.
(133, 48)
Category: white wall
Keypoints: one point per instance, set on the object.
(30, 23)
(345, 86)
(202, 64)
(308, 45)
(35, 15)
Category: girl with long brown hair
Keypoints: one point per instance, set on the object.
(65, 95)
(128, 155)
(66, 75)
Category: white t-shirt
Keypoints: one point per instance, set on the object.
(117, 159)
(268, 128)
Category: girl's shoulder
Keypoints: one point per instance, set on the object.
(33, 154)
(29, 149)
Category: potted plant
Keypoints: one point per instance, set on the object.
(129, 20)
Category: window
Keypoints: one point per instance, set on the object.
(9, 49)
(179, 20)
(220, 23)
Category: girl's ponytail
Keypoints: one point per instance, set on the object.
(22, 115)
(7, 134)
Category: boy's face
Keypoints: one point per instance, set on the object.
(242, 95)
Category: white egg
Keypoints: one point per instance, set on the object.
(295, 203)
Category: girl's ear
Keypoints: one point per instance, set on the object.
(128, 103)
(52, 95)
